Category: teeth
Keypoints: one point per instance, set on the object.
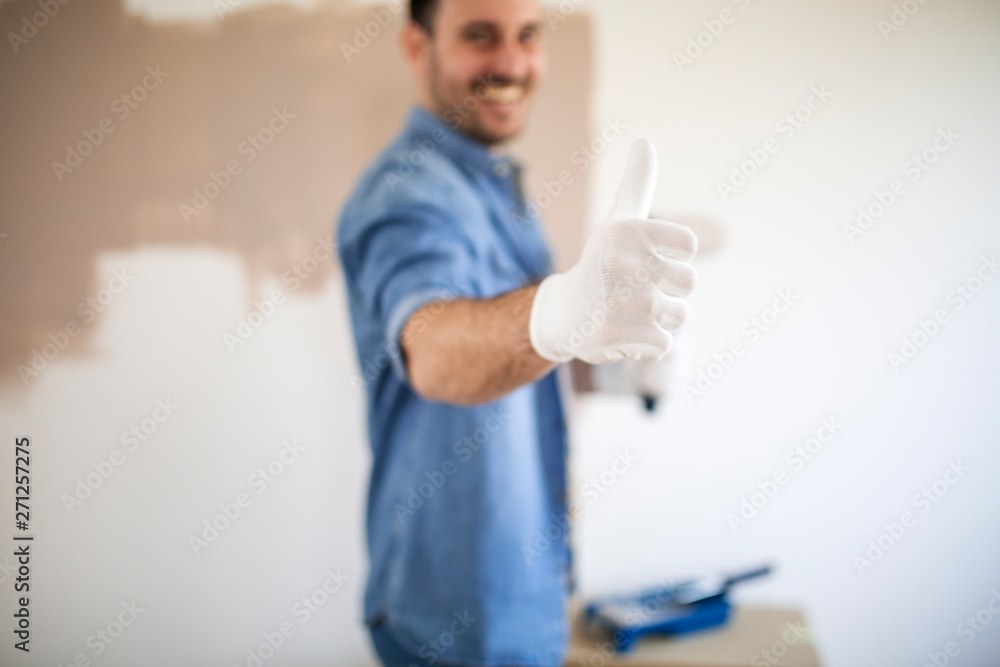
(504, 94)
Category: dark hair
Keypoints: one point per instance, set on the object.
(422, 13)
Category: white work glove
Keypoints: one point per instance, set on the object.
(622, 298)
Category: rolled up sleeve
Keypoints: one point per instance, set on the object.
(408, 259)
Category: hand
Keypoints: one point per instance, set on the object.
(623, 297)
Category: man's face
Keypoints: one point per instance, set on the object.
(479, 68)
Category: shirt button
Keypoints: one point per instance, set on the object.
(501, 169)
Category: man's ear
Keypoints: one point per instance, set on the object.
(415, 43)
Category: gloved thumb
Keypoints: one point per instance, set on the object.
(635, 194)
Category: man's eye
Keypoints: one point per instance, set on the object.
(479, 37)
(529, 35)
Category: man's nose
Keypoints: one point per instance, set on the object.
(512, 60)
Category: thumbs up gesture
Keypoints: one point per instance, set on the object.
(624, 296)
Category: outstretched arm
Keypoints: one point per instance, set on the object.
(470, 351)
(620, 300)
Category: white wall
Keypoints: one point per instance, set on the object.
(667, 515)
(828, 354)
(130, 539)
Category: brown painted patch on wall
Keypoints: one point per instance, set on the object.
(110, 124)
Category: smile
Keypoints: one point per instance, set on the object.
(503, 94)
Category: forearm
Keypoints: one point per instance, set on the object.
(472, 351)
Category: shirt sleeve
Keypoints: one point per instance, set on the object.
(408, 259)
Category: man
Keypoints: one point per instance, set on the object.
(459, 325)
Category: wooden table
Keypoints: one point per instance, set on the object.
(753, 636)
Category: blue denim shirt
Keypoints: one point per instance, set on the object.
(466, 506)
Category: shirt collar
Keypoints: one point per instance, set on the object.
(459, 147)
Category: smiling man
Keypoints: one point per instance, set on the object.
(459, 324)
(477, 62)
